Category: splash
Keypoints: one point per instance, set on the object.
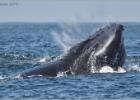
(63, 39)
(2, 77)
(108, 69)
(45, 59)
(60, 74)
(70, 34)
(134, 68)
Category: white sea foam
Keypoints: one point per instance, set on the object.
(35, 75)
(108, 69)
(44, 59)
(2, 77)
(133, 68)
(12, 77)
(121, 70)
(130, 68)
(59, 74)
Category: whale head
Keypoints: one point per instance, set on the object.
(104, 48)
(109, 49)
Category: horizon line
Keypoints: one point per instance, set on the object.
(70, 21)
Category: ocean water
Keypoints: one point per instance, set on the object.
(25, 45)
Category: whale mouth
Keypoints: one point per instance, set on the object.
(104, 48)
(109, 50)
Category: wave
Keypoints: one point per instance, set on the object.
(7, 78)
(7, 59)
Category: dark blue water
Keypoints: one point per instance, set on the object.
(22, 45)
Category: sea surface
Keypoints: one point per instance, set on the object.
(26, 45)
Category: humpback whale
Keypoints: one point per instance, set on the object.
(104, 48)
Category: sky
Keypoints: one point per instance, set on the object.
(69, 10)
